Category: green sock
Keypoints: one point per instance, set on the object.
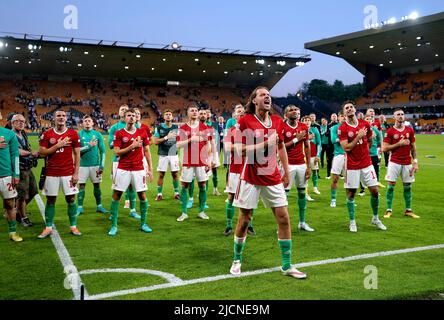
(98, 195)
(202, 197)
(251, 220)
(302, 203)
(239, 246)
(184, 199)
(333, 193)
(314, 178)
(351, 208)
(143, 211)
(49, 214)
(72, 213)
(159, 189)
(80, 197)
(127, 195)
(12, 226)
(215, 180)
(114, 212)
(132, 199)
(285, 246)
(229, 209)
(191, 189)
(374, 203)
(176, 186)
(206, 186)
(408, 196)
(390, 195)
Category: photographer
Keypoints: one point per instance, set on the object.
(27, 188)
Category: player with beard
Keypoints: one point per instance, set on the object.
(259, 138)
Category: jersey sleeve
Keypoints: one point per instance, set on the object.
(280, 129)
(342, 133)
(102, 151)
(75, 139)
(412, 136)
(145, 140)
(117, 140)
(14, 151)
(111, 137)
(387, 137)
(182, 135)
(334, 134)
(156, 133)
(44, 140)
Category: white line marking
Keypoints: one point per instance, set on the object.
(68, 266)
(433, 164)
(167, 276)
(261, 271)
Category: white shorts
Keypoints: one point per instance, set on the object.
(54, 184)
(313, 165)
(89, 172)
(189, 173)
(297, 176)
(395, 170)
(168, 161)
(338, 164)
(247, 196)
(233, 182)
(7, 189)
(367, 176)
(123, 179)
(115, 164)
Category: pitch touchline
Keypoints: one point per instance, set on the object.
(65, 258)
(179, 283)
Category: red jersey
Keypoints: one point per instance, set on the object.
(236, 162)
(359, 156)
(132, 160)
(296, 155)
(377, 124)
(260, 167)
(402, 154)
(61, 162)
(195, 153)
(147, 130)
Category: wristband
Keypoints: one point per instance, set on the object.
(295, 140)
(165, 138)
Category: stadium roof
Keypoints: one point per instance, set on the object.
(45, 55)
(391, 46)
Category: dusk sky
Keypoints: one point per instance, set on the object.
(278, 26)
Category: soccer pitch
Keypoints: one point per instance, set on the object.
(191, 260)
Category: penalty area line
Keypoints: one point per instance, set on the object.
(261, 271)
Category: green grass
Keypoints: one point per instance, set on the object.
(197, 248)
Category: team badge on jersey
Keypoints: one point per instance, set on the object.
(125, 139)
(351, 134)
(396, 136)
(52, 141)
(288, 134)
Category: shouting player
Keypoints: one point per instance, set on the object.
(61, 146)
(259, 138)
(400, 141)
(356, 136)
